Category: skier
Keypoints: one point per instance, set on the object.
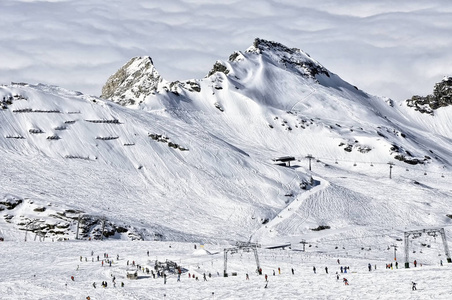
(413, 287)
(313, 268)
(279, 271)
(72, 278)
(338, 261)
(247, 277)
(204, 276)
(337, 276)
(293, 272)
(266, 277)
(326, 270)
(370, 267)
(345, 281)
(164, 278)
(273, 272)
(415, 263)
(342, 269)
(94, 284)
(396, 265)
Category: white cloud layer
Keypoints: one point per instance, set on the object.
(388, 48)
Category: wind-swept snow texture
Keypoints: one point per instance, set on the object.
(195, 161)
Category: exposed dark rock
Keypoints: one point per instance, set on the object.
(291, 58)
(218, 106)
(441, 97)
(233, 56)
(218, 67)
(10, 203)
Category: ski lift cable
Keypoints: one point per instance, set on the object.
(373, 163)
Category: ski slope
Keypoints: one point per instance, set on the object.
(34, 272)
(182, 166)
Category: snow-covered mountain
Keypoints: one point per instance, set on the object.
(198, 160)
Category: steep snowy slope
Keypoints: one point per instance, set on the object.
(141, 170)
(193, 160)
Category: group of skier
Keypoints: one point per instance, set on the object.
(342, 269)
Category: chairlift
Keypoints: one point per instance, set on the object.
(371, 164)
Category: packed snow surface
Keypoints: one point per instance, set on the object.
(43, 270)
(185, 166)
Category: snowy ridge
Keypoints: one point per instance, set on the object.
(192, 161)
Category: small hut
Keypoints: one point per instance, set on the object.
(283, 161)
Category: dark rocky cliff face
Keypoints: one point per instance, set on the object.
(441, 97)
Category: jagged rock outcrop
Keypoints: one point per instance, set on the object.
(441, 97)
(138, 79)
(291, 58)
(133, 82)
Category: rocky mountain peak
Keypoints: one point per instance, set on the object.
(441, 97)
(134, 81)
(290, 58)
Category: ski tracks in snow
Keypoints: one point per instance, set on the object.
(291, 209)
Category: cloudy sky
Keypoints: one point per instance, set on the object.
(388, 48)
